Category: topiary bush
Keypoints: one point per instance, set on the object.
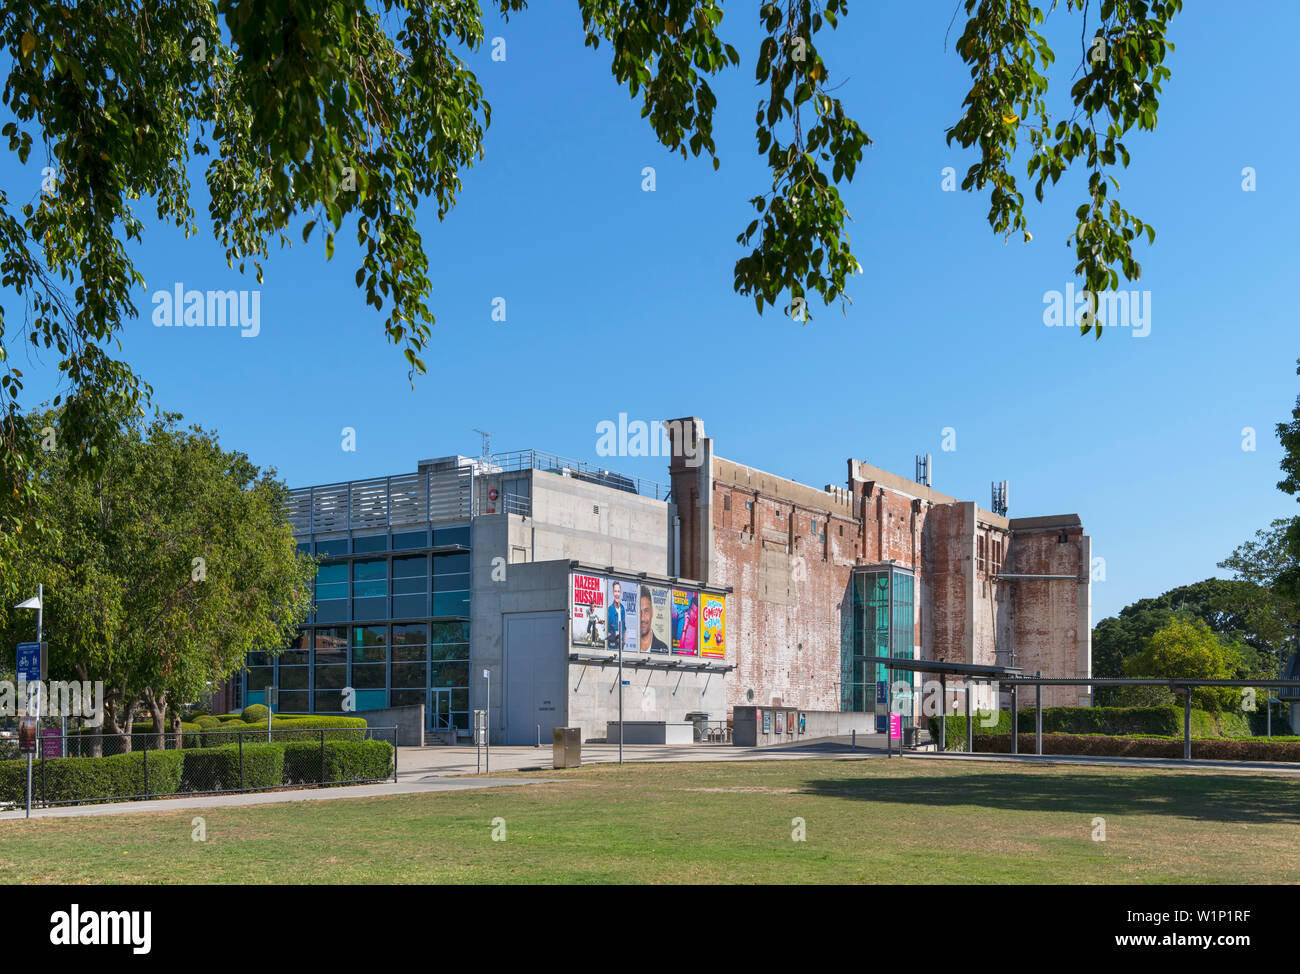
(94, 779)
(254, 712)
(1101, 745)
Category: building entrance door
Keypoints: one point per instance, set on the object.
(440, 710)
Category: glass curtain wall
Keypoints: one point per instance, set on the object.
(391, 622)
(881, 622)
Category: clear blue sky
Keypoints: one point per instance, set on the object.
(620, 300)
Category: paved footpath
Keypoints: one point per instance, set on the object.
(380, 790)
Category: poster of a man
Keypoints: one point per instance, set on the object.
(617, 617)
(652, 615)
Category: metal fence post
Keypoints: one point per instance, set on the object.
(1187, 724)
(970, 723)
(1015, 720)
(1038, 714)
(146, 769)
(240, 738)
(943, 713)
(322, 757)
(394, 755)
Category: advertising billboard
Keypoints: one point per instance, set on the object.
(588, 610)
(621, 625)
(686, 622)
(713, 625)
(653, 619)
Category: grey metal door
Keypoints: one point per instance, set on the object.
(536, 676)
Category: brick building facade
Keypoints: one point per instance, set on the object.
(979, 587)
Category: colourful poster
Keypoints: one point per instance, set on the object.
(621, 627)
(686, 623)
(588, 616)
(713, 625)
(780, 721)
(653, 619)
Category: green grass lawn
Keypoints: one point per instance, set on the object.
(908, 821)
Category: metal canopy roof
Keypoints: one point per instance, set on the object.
(977, 670)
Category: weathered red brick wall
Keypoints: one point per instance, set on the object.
(788, 550)
(1050, 631)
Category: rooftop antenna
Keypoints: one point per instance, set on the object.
(1001, 497)
(924, 470)
(487, 443)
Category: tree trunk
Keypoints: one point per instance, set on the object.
(177, 736)
(117, 717)
(158, 711)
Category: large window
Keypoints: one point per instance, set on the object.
(370, 589)
(332, 592)
(451, 585)
(410, 587)
(882, 623)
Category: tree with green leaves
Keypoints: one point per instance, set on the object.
(163, 570)
(1272, 560)
(1187, 648)
(346, 115)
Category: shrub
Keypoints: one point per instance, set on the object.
(93, 779)
(285, 729)
(1148, 747)
(254, 712)
(955, 739)
(231, 767)
(207, 721)
(344, 761)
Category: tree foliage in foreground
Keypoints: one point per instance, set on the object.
(162, 570)
(342, 116)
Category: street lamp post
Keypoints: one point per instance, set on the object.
(38, 604)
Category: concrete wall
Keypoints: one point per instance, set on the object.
(409, 722)
(652, 694)
(747, 727)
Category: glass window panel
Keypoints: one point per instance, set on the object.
(449, 674)
(408, 653)
(409, 674)
(451, 583)
(332, 677)
(369, 654)
(335, 610)
(332, 549)
(451, 564)
(454, 604)
(411, 566)
(259, 678)
(331, 645)
(369, 635)
(442, 651)
(460, 700)
(329, 700)
(374, 542)
(369, 578)
(259, 659)
(293, 703)
(460, 720)
(406, 698)
(447, 536)
(410, 606)
(412, 634)
(369, 676)
(411, 586)
(367, 609)
(292, 657)
(293, 677)
(449, 632)
(410, 539)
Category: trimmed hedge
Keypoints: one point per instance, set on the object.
(344, 761)
(229, 767)
(1111, 721)
(1100, 745)
(94, 779)
(261, 766)
(283, 730)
